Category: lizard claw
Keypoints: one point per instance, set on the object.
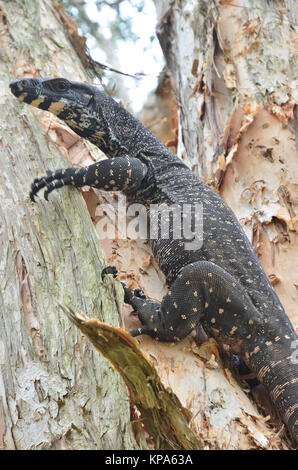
(143, 330)
(32, 196)
(109, 270)
(139, 293)
(128, 294)
(32, 193)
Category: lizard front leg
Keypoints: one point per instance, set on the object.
(114, 174)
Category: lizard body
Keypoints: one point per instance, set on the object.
(220, 285)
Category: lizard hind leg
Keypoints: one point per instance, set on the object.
(203, 293)
(109, 270)
(148, 311)
(173, 318)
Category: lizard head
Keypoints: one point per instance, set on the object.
(89, 112)
(70, 101)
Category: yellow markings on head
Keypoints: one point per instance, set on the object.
(37, 102)
(56, 107)
(22, 97)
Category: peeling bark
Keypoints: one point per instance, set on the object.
(235, 70)
(162, 414)
(56, 392)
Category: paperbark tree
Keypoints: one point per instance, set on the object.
(222, 412)
(234, 66)
(56, 391)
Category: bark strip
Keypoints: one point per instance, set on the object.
(163, 415)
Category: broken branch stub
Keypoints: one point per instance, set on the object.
(163, 415)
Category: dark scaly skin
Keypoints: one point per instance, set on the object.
(221, 285)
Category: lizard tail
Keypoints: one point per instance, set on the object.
(278, 372)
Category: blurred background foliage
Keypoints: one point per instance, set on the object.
(121, 34)
(120, 27)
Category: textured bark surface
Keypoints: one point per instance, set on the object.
(56, 391)
(222, 412)
(162, 414)
(235, 70)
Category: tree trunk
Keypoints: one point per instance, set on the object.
(235, 75)
(56, 391)
(235, 69)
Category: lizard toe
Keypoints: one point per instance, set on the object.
(109, 270)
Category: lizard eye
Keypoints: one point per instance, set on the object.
(59, 85)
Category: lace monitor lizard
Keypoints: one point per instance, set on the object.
(220, 286)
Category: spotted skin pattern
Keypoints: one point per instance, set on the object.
(116, 174)
(220, 286)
